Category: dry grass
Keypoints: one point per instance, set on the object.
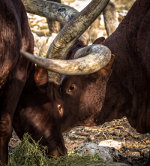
(30, 153)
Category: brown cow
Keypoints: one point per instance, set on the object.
(15, 70)
(40, 107)
(14, 34)
(99, 97)
(39, 112)
(98, 56)
(92, 100)
(119, 89)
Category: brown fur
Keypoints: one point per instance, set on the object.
(41, 103)
(38, 114)
(126, 91)
(14, 35)
(93, 100)
(17, 81)
(130, 78)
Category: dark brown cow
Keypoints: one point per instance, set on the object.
(122, 87)
(39, 112)
(17, 78)
(37, 117)
(96, 98)
(39, 107)
(14, 34)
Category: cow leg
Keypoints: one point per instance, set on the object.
(9, 106)
(4, 149)
(5, 134)
(8, 103)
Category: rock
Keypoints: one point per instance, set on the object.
(118, 164)
(134, 154)
(111, 143)
(107, 164)
(106, 153)
(146, 153)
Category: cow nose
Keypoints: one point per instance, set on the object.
(62, 150)
(59, 151)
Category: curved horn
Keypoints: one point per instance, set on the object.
(97, 56)
(74, 29)
(51, 10)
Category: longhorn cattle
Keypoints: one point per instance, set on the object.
(119, 89)
(15, 70)
(122, 87)
(40, 107)
(39, 111)
(21, 82)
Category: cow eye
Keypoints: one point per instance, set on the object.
(72, 87)
(60, 109)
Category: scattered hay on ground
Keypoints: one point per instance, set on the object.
(30, 153)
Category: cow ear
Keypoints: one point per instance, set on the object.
(40, 76)
(106, 71)
(99, 40)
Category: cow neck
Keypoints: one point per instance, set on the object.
(128, 91)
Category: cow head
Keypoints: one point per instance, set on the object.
(83, 97)
(39, 112)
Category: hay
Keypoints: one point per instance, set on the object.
(30, 153)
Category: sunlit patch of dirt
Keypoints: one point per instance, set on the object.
(135, 147)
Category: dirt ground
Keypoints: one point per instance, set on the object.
(135, 147)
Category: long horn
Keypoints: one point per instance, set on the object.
(54, 11)
(72, 31)
(95, 57)
(51, 10)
